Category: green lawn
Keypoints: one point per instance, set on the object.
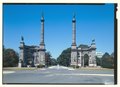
(17, 68)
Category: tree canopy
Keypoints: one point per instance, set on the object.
(98, 61)
(64, 58)
(50, 61)
(107, 61)
(10, 58)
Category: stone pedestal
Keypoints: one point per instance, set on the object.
(19, 65)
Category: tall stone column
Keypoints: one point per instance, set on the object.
(22, 55)
(42, 30)
(74, 31)
(74, 59)
(42, 45)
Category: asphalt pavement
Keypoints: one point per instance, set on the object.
(59, 75)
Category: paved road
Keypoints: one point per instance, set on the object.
(59, 75)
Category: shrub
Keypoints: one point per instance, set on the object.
(40, 66)
(74, 66)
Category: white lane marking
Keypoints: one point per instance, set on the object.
(71, 69)
(43, 69)
(49, 75)
(98, 74)
(58, 66)
(8, 72)
(108, 83)
(87, 74)
(52, 67)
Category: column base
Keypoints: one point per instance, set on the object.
(92, 65)
(79, 64)
(19, 65)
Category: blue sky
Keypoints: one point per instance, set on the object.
(92, 22)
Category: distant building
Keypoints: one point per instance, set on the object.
(32, 55)
(83, 55)
(99, 54)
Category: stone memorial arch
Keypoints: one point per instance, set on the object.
(83, 55)
(33, 55)
(86, 55)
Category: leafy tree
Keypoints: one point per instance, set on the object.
(112, 55)
(10, 58)
(107, 61)
(106, 55)
(50, 61)
(53, 61)
(64, 58)
(98, 61)
(48, 58)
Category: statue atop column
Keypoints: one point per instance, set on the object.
(93, 40)
(22, 39)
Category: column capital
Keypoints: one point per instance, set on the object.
(74, 20)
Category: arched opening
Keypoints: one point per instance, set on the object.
(86, 60)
